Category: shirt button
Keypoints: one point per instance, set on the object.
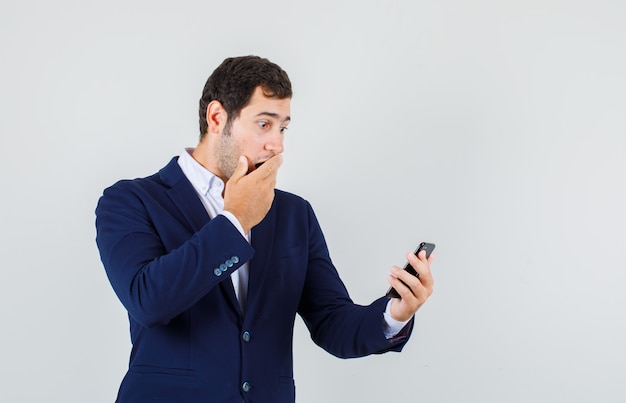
(246, 387)
(246, 336)
(217, 272)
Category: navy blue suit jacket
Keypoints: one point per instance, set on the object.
(190, 340)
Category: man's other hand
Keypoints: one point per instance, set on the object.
(418, 290)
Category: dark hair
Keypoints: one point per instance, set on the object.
(233, 82)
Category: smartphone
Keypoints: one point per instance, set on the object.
(428, 247)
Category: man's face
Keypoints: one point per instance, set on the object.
(256, 133)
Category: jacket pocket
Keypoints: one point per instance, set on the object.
(151, 369)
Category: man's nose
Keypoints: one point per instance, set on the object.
(275, 143)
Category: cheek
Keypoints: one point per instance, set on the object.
(253, 145)
(250, 150)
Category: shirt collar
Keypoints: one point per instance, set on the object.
(201, 178)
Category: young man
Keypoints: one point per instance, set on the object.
(213, 263)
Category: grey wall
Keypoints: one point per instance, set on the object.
(494, 129)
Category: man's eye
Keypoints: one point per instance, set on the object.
(264, 124)
(282, 129)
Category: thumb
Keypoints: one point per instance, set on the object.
(242, 168)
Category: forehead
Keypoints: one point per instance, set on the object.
(260, 104)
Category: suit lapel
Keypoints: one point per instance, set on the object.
(262, 242)
(184, 196)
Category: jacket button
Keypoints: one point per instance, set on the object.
(229, 263)
(235, 259)
(246, 387)
(223, 267)
(246, 336)
(217, 272)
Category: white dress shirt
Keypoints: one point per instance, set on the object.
(210, 188)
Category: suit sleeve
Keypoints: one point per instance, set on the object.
(153, 283)
(336, 324)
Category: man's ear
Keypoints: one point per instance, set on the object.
(216, 117)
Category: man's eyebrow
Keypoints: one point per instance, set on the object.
(274, 115)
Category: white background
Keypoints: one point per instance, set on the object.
(495, 129)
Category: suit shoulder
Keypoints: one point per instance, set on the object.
(158, 181)
(290, 198)
(291, 206)
(134, 186)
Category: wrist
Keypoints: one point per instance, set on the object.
(243, 229)
(397, 313)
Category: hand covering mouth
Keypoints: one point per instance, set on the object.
(265, 159)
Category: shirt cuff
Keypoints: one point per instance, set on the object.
(231, 217)
(391, 327)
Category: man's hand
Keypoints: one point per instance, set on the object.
(418, 290)
(249, 196)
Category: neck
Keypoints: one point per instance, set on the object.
(202, 154)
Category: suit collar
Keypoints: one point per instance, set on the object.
(171, 174)
(184, 196)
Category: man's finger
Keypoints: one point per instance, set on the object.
(270, 167)
(422, 266)
(242, 168)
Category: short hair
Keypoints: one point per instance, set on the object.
(233, 82)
